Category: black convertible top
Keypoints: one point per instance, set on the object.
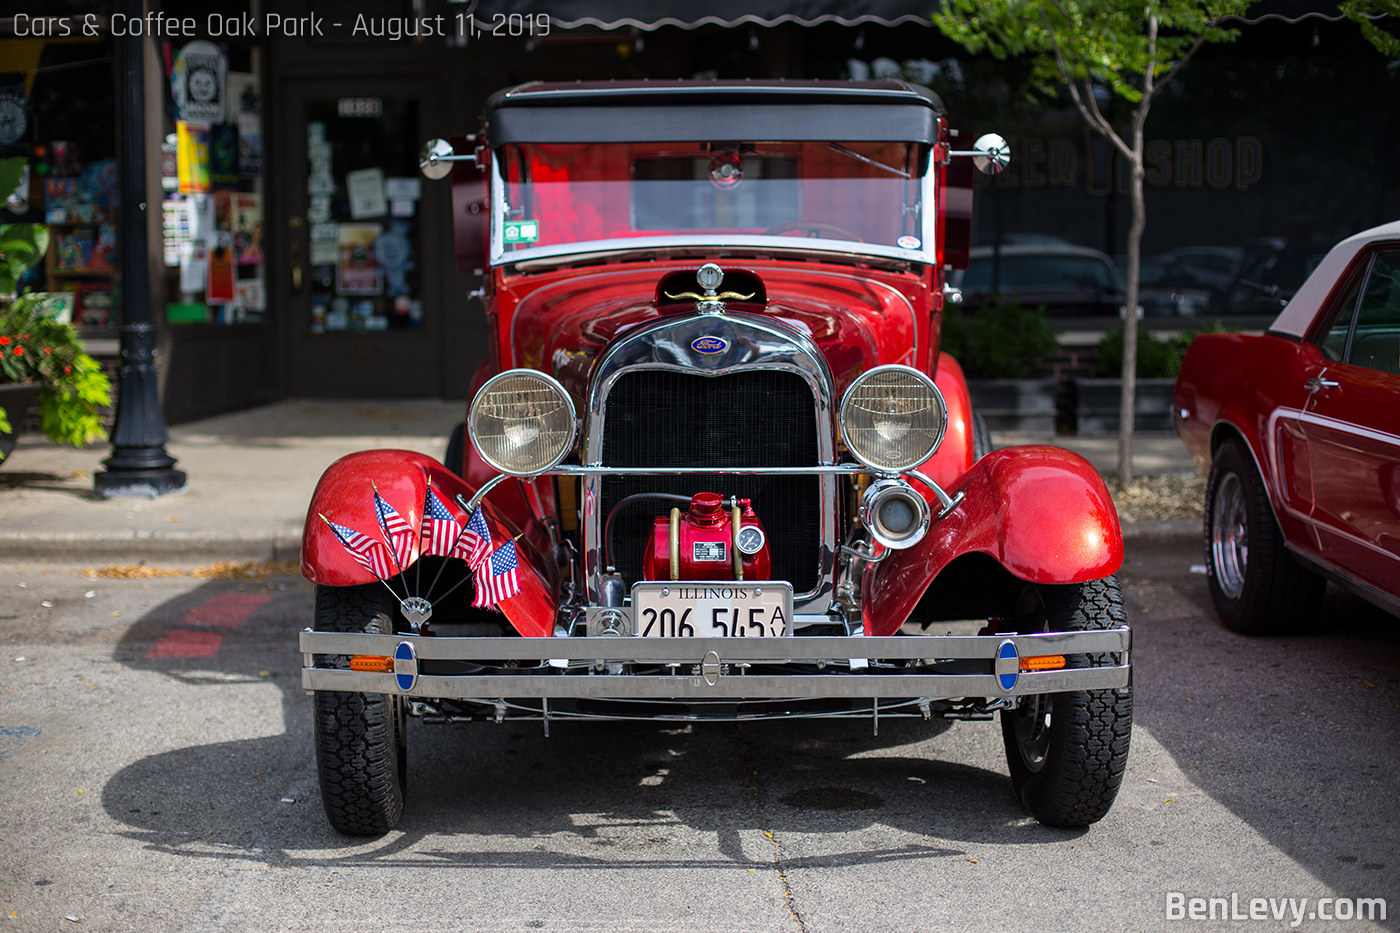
(738, 111)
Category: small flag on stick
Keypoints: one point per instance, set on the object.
(368, 551)
(397, 532)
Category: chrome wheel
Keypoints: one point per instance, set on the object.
(1031, 723)
(1229, 536)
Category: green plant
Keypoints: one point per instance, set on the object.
(1157, 357)
(1000, 340)
(37, 347)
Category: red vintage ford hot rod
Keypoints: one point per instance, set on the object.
(716, 466)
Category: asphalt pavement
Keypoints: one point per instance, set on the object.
(251, 475)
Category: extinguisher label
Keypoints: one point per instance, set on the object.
(709, 551)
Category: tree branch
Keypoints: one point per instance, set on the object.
(1090, 112)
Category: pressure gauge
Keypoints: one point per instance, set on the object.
(750, 540)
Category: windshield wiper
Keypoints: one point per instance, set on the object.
(860, 158)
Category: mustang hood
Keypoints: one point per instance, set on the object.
(857, 320)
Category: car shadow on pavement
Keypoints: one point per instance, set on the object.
(1294, 735)
(594, 795)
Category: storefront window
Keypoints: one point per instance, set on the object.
(212, 173)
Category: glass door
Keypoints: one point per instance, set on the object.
(362, 277)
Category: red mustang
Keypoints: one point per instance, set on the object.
(716, 467)
(1300, 431)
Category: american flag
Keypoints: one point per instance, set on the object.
(397, 531)
(368, 551)
(498, 577)
(440, 527)
(475, 542)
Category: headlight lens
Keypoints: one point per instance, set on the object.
(522, 422)
(893, 418)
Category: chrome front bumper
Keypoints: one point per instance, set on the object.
(715, 668)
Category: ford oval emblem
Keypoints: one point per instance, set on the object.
(709, 345)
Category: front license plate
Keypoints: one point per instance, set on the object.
(712, 609)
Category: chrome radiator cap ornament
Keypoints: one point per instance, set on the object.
(709, 276)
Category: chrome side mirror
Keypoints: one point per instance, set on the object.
(990, 154)
(436, 157)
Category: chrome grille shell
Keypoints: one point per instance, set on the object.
(753, 342)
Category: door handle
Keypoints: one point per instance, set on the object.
(296, 277)
(1317, 384)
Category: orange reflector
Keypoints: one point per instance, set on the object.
(1042, 662)
(372, 662)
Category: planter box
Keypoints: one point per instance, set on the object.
(15, 398)
(1019, 405)
(1097, 400)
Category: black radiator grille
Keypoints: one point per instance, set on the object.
(756, 418)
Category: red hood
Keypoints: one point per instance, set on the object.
(858, 318)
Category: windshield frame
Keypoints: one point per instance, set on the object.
(925, 254)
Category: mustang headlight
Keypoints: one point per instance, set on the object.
(893, 418)
(522, 422)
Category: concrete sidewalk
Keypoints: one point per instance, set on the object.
(251, 476)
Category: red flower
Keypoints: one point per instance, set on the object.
(67, 370)
(4, 340)
(19, 351)
(46, 351)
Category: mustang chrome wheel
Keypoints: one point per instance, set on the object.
(1229, 536)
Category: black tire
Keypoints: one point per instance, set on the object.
(453, 458)
(1067, 751)
(981, 437)
(1256, 585)
(361, 748)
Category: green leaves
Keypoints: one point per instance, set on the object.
(34, 347)
(1365, 13)
(1109, 43)
(999, 340)
(21, 246)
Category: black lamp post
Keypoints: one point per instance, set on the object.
(139, 465)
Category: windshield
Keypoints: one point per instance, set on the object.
(848, 197)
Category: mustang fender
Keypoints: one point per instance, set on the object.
(345, 495)
(1043, 513)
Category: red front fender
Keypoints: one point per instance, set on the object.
(345, 495)
(1043, 513)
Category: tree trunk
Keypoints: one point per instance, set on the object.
(1127, 401)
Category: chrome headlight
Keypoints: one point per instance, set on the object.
(893, 418)
(522, 422)
(894, 514)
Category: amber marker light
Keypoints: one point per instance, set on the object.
(372, 662)
(1038, 662)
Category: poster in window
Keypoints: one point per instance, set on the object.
(192, 157)
(222, 287)
(358, 271)
(199, 83)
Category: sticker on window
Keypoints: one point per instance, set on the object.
(708, 551)
(908, 242)
(522, 231)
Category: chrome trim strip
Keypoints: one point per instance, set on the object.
(755, 343)
(692, 650)
(685, 687)
(1346, 579)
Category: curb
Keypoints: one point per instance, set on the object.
(1168, 531)
(133, 547)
